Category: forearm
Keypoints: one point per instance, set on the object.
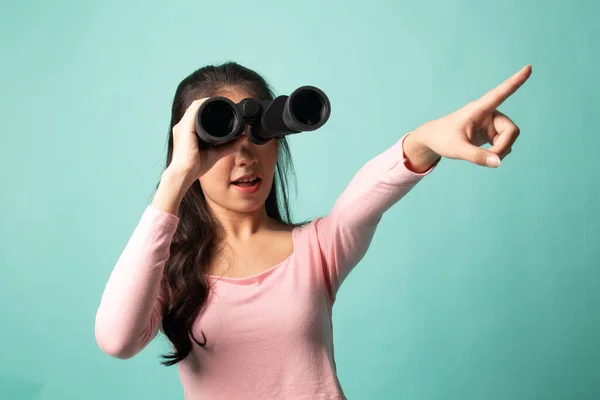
(379, 184)
(129, 313)
(346, 232)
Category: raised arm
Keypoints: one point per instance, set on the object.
(345, 234)
(130, 310)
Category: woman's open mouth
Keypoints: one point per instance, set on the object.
(247, 185)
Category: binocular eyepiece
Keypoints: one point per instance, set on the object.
(220, 120)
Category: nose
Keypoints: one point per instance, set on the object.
(246, 154)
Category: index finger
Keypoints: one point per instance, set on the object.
(191, 110)
(495, 97)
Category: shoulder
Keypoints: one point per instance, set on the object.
(306, 231)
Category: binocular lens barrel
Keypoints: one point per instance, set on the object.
(308, 107)
(219, 120)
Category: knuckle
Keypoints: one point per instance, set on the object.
(517, 131)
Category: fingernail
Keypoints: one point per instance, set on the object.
(493, 161)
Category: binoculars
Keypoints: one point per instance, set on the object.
(220, 120)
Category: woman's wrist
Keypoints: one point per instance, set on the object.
(171, 190)
(420, 158)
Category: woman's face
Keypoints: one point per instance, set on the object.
(240, 182)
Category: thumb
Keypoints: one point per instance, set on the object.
(478, 156)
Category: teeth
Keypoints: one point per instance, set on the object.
(246, 181)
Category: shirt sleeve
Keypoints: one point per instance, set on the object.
(345, 234)
(130, 310)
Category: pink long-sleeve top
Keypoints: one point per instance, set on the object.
(269, 336)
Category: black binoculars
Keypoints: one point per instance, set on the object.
(220, 120)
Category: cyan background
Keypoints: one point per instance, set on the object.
(480, 284)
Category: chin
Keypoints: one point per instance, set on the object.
(246, 207)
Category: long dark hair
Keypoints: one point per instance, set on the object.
(184, 285)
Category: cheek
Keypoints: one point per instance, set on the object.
(213, 181)
(269, 156)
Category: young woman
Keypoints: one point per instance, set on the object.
(243, 295)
